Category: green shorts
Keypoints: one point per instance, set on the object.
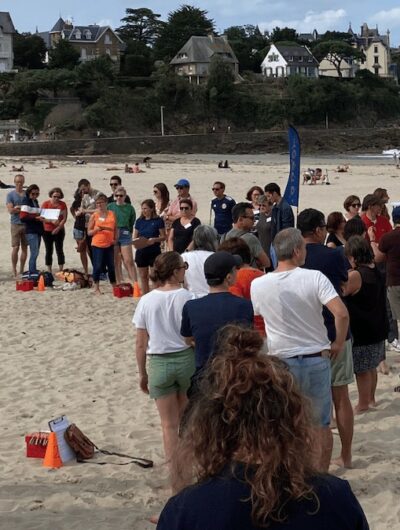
(170, 373)
(342, 367)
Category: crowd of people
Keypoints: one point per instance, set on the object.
(248, 333)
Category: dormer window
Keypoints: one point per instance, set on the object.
(88, 34)
(300, 59)
(107, 39)
(182, 56)
(290, 58)
(78, 34)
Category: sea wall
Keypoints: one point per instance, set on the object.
(329, 141)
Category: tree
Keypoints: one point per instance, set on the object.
(247, 42)
(284, 34)
(220, 86)
(140, 25)
(93, 77)
(336, 51)
(185, 22)
(138, 59)
(29, 51)
(63, 55)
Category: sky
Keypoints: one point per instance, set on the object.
(303, 15)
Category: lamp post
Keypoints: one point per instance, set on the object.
(162, 120)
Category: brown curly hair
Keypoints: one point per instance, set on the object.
(248, 409)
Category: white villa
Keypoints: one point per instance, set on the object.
(284, 61)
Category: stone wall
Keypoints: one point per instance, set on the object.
(312, 141)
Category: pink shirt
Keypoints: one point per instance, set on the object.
(174, 207)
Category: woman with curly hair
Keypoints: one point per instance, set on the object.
(248, 439)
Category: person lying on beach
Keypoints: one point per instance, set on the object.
(80, 162)
(136, 169)
(51, 165)
(18, 169)
(5, 186)
(342, 169)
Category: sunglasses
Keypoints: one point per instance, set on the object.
(216, 189)
(184, 208)
(120, 195)
(356, 205)
(35, 192)
(114, 184)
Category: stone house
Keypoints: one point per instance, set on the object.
(284, 61)
(91, 41)
(193, 59)
(7, 32)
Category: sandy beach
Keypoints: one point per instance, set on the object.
(73, 353)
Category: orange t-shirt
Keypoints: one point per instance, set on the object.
(49, 227)
(242, 288)
(104, 238)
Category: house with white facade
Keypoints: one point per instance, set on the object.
(7, 32)
(285, 60)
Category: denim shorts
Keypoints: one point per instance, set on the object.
(124, 237)
(170, 373)
(78, 234)
(313, 376)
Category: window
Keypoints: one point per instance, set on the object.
(108, 51)
(83, 54)
(78, 34)
(376, 49)
(290, 58)
(376, 70)
(274, 57)
(182, 56)
(301, 59)
(88, 34)
(376, 59)
(107, 39)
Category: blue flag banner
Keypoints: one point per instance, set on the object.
(293, 184)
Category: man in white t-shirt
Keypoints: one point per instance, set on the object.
(290, 300)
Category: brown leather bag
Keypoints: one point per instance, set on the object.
(79, 443)
(84, 449)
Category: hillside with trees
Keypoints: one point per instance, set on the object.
(128, 101)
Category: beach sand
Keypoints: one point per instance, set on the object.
(73, 353)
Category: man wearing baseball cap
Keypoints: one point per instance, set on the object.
(203, 317)
(183, 190)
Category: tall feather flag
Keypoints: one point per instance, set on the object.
(293, 185)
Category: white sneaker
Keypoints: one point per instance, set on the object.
(395, 345)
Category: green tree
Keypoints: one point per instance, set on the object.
(284, 34)
(29, 51)
(63, 55)
(248, 44)
(93, 77)
(138, 59)
(220, 87)
(140, 25)
(185, 22)
(336, 52)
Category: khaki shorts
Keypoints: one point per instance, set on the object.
(342, 366)
(18, 236)
(394, 300)
(170, 373)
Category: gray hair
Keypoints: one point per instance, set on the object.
(205, 237)
(121, 189)
(285, 243)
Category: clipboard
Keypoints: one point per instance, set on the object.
(140, 242)
(59, 426)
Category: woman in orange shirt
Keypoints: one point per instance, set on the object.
(54, 231)
(103, 229)
(245, 275)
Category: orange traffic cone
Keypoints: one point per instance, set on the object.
(52, 457)
(41, 286)
(137, 293)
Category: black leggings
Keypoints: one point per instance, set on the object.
(49, 241)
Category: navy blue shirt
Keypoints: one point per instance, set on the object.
(222, 503)
(222, 209)
(201, 319)
(332, 263)
(149, 227)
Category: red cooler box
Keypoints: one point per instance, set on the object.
(123, 289)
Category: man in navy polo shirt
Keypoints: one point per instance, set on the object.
(332, 263)
(222, 206)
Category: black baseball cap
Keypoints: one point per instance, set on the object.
(219, 265)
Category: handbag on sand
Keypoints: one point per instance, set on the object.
(84, 449)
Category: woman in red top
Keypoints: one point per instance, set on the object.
(103, 229)
(245, 275)
(54, 231)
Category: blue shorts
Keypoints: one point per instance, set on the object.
(78, 234)
(313, 376)
(124, 237)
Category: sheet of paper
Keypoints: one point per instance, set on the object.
(50, 214)
(59, 426)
